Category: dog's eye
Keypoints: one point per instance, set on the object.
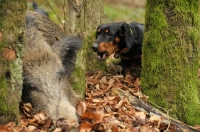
(98, 34)
(109, 34)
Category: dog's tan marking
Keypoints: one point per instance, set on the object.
(117, 40)
(99, 30)
(106, 30)
(109, 47)
(125, 50)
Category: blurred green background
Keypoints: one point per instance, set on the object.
(115, 10)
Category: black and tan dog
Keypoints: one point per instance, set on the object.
(122, 39)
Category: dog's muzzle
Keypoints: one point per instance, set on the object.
(101, 55)
(95, 47)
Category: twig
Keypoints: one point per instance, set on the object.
(78, 8)
(64, 16)
(54, 13)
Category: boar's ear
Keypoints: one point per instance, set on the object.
(125, 30)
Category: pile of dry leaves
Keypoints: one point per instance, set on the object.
(102, 110)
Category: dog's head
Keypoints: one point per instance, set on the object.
(112, 38)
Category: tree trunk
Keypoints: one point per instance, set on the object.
(83, 17)
(170, 57)
(11, 52)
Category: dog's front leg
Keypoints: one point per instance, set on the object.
(126, 68)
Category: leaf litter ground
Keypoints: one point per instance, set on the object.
(102, 110)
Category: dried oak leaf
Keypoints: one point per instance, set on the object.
(47, 124)
(164, 126)
(23, 122)
(88, 115)
(98, 117)
(119, 104)
(98, 101)
(9, 54)
(154, 121)
(110, 83)
(58, 130)
(85, 127)
(92, 81)
(66, 125)
(31, 128)
(111, 100)
(113, 121)
(80, 108)
(9, 127)
(141, 96)
(147, 129)
(103, 80)
(26, 110)
(5, 129)
(141, 116)
(114, 128)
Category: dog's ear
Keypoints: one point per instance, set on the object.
(125, 30)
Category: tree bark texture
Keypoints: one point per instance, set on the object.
(170, 57)
(83, 17)
(11, 52)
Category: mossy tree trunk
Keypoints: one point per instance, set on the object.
(11, 51)
(170, 57)
(83, 17)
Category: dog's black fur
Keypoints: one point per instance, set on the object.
(122, 39)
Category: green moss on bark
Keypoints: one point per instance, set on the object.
(3, 92)
(12, 25)
(83, 23)
(86, 61)
(170, 57)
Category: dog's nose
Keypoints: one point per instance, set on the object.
(95, 47)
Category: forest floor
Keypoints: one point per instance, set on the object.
(104, 109)
(111, 104)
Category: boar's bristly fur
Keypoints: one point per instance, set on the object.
(45, 83)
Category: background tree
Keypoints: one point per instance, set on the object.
(170, 57)
(11, 51)
(82, 19)
(83, 16)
